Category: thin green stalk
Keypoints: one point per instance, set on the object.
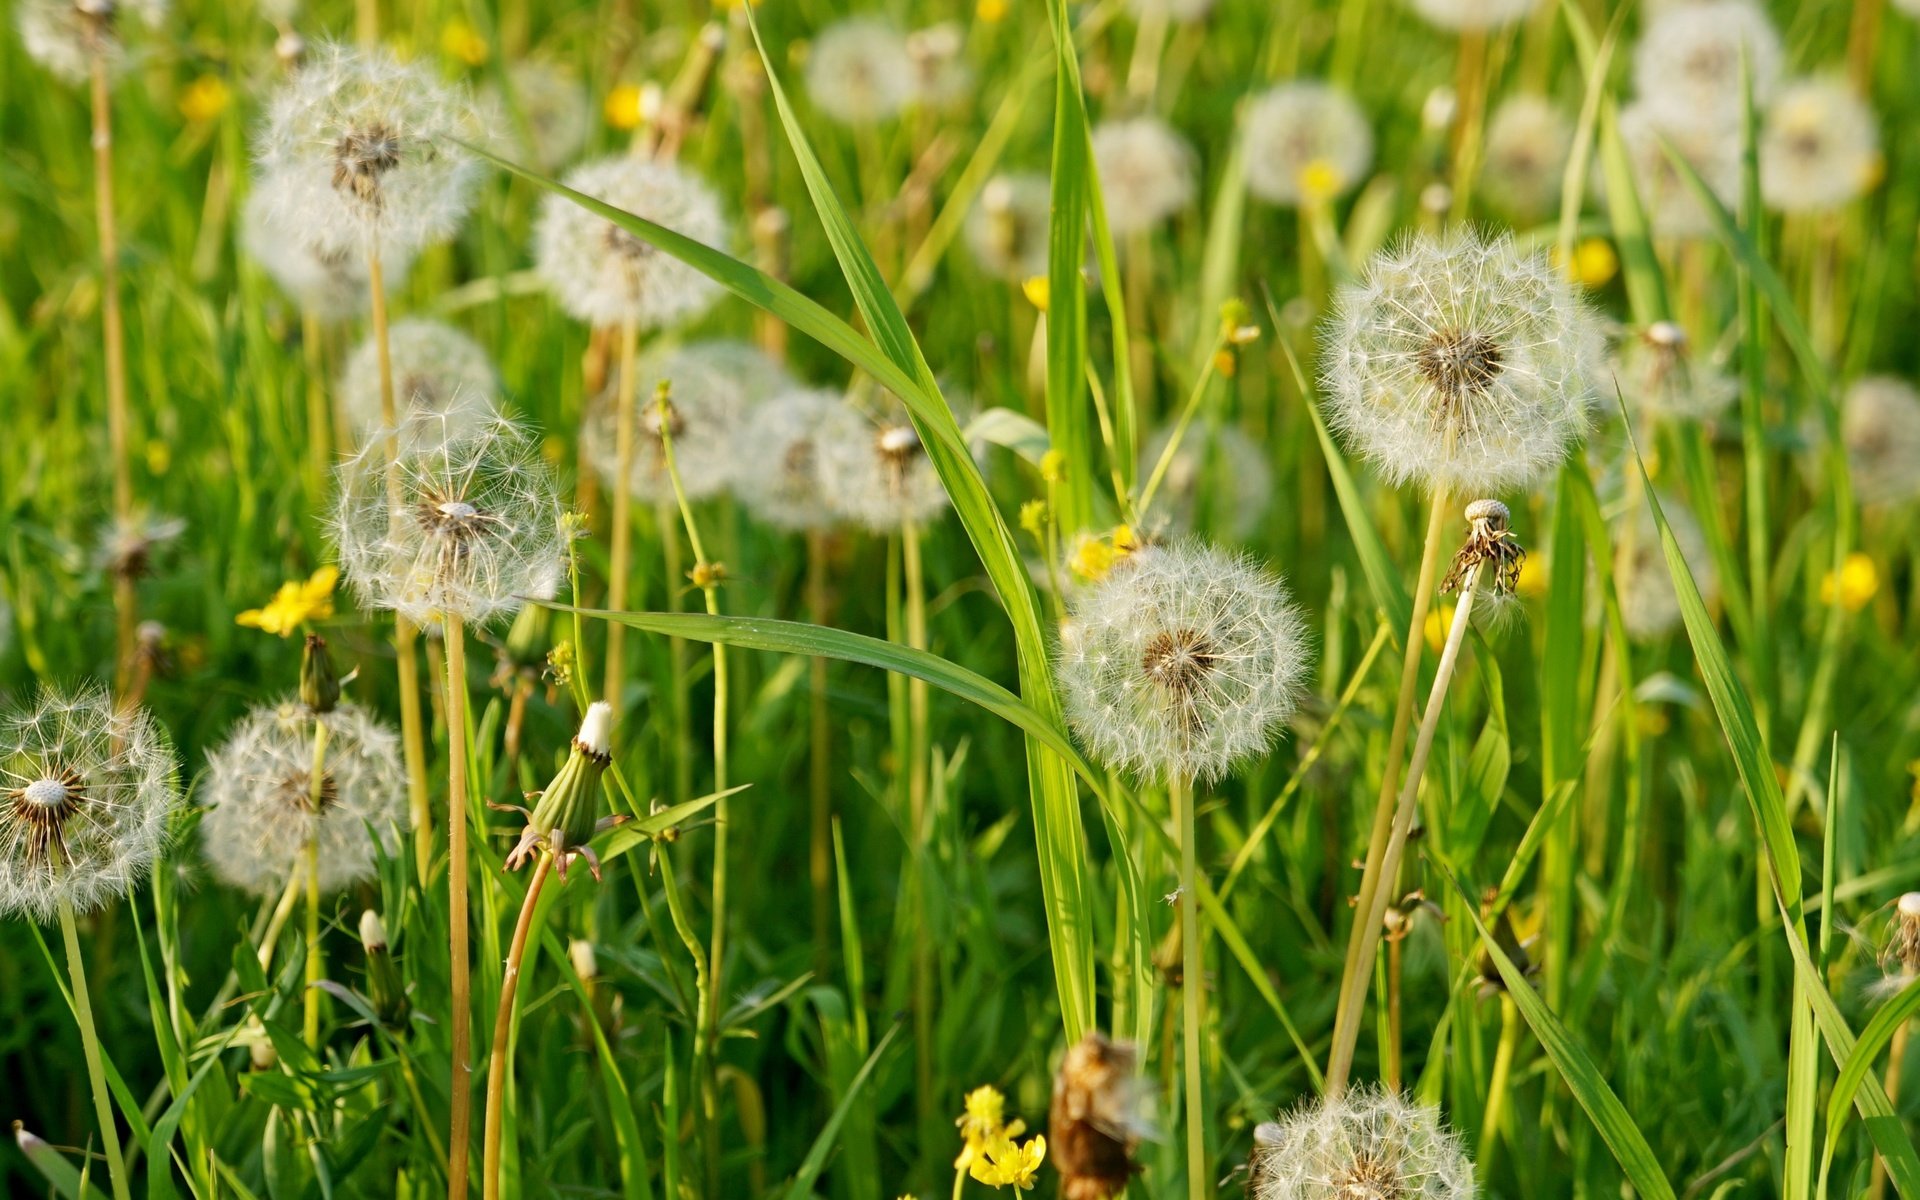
(310, 1023)
(819, 768)
(114, 333)
(620, 567)
(918, 753)
(1180, 796)
(459, 1137)
(90, 1046)
(1497, 1083)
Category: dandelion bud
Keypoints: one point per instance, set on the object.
(586, 964)
(65, 36)
(567, 814)
(1008, 229)
(1146, 172)
(859, 71)
(319, 686)
(437, 370)
(1363, 1145)
(384, 986)
(261, 1054)
(713, 388)
(1307, 142)
(1096, 1121)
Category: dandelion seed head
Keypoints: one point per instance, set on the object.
(1307, 142)
(1181, 661)
(369, 147)
(603, 274)
(1146, 172)
(1218, 473)
(1008, 228)
(859, 71)
(1098, 1117)
(1662, 378)
(941, 76)
(1687, 64)
(1649, 605)
(471, 526)
(86, 791)
(1460, 362)
(1820, 147)
(784, 441)
(437, 369)
(1880, 427)
(1367, 1144)
(328, 281)
(1463, 15)
(64, 36)
(128, 543)
(882, 478)
(713, 387)
(555, 113)
(1712, 150)
(1526, 155)
(262, 808)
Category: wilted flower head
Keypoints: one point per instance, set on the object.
(328, 281)
(369, 147)
(1661, 377)
(1307, 142)
(1181, 661)
(1098, 1118)
(941, 77)
(1687, 65)
(1820, 147)
(85, 794)
(545, 115)
(437, 370)
(1146, 172)
(1649, 606)
(1900, 956)
(787, 442)
(65, 36)
(1712, 150)
(1526, 155)
(127, 544)
(604, 275)
(466, 524)
(859, 71)
(1218, 480)
(1363, 1145)
(263, 807)
(1462, 15)
(882, 479)
(1008, 228)
(712, 386)
(1460, 362)
(1880, 426)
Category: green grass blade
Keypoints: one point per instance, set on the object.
(62, 1176)
(816, 1161)
(1072, 171)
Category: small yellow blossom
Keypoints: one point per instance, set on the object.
(1005, 1162)
(205, 98)
(295, 604)
(1094, 556)
(1533, 576)
(159, 456)
(991, 11)
(981, 1123)
(1594, 263)
(1037, 290)
(1319, 180)
(1053, 466)
(1033, 517)
(462, 41)
(623, 107)
(1439, 620)
(1226, 362)
(1854, 585)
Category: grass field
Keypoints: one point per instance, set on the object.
(643, 598)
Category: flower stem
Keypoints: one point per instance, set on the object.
(819, 769)
(319, 410)
(620, 566)
(310, 1024)
(114, 333)
(500, 1063)
(459, 1140)
(1877, 1190)
(1180, 796)
(90, 1046)
(918, 766)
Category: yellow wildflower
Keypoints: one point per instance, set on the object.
(1319, 180)
(462, 41)
(295, 604)
(983, 1121)
(623, 107)
(1854, 585)
(1094, 556)
(1439, 620)
(991, 11)
(1005, 1162)
(1594, 263)
(1053, 466)
(1037, 290)
(205, 98)
(1033, 517)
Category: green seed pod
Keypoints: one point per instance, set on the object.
(319, 686)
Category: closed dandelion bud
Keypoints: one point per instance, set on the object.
(1218, 481)
(1363, 1145)
(467, 524)
(1820, 147)
(713, 388)
(784, 442)
(1476, 15)
(319, 686)
(548, 118)
(1096, 1121)
(881, 479)
(65, 36)
(86, 791)
(328, 281)
(1687, 65)
(567, 814)
(1662, 379)
(1307, 142)
(602, 274)
(1181, 661)
(1146, 172)
(437, 371)
(859, 71)
(1007, 230)
(264, 804)
(586, 964)
(369, 147)
(1880, 427)
(1649, 607)
(384, 986)
(1460, 363)
(1526, 156)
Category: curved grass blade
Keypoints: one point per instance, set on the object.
(816, 1160)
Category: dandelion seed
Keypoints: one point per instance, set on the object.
(1526, 156)
(1307, 142)
(881, 479)
(1820, 147)
(1712, 150)
(1900, 956)
(1649, 606)
(1008, 229)
(1661, 378)
(86, 791)
(1880, 427)
(1687, 64)
(437, 371)
(1098, 1118)
(1461, 363)
(1477, 15)
(1146, 172)
(605, 275)
(1182, 661)
(369, 148)
(859, 71)
(713, 387)
(784, 442)
(471, 526)
(555, 114)
(1363, 1145)
(1218, 473)
(263, 808)
(329, 282)
(65, 36)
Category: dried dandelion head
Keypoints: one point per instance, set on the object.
(882, 479)
(859, 71)
(128, 543)
(86, 791)
(1218, 480)
(788, 440)
(1687, 65)
(1307, 142)
(711, 389)
(1364, 1145)
(1464, 15)
(1008, 228)
(1460, 362)
(1526, 156)
(437, 371)
(467, 524)
(1181, 661)
(1098, 1118)
(1711, 149)
(1661, 377)
(263, 806)
(1880, 427)
(369, 148)
(328, 281)
(1146, 172)
(1820, 147)
(1900, 956)
(604, 275)
(66, 36)
(554, 113)
(1649, 606)
(1490, 549)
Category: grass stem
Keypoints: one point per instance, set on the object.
(459, 1139)
(1180, 796)
(90, 1047)
(620, 564)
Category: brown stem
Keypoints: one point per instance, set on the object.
(459, 1140)
(127, 621)
(500, 1061)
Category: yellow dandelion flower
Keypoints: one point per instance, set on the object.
(205, 98)
(623, 107)
(1319, 181)
(1007, 1163)
(1533, 576)
(991, 11)
(1093, 557)
(296, 603)
(1037, 291)
(1439, 620)
(1033, 517)
(1594, 263)
(1853, 585)
(462, 41)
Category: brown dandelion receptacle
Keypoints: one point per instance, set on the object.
(1460, 364)
(1094, 1126)
(1490, 546)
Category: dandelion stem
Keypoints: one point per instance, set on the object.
(620, 567)
(819, 772)
(282, 912)
(459, 1140)
(319, 410)
(1896, 1053)
(90, 1046)
(1180, 795)
(918, 754)
(310, 868)
(114, 332)
(500, 1063)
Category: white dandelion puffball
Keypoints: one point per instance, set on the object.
(1662, 378)
(1820, 147)
(1476, 15)
(1146, 172)
(1009, 226)
(859, 71)
(1171, 10)
(941, 76)
(1460, 362)
(1217, 481)
(1880, 427)
(876, 473)
(370, 147)
(64, 36)
(712, 389)
(328, 281)
(468, 525)
(784, 443)
(545, 116)
(1363, 1145)
(1687, 64)
(262, 807)
(1307, 141)
(1182, 661)
(1712, 150)
(86, 791)
(437, 369)
(604, 275)
(1649, 606)
(1528, 141)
